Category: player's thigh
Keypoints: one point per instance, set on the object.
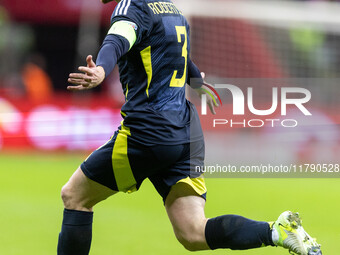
(95, 180)
(82, 193)
(185, 209)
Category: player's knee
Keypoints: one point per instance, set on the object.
(191, 238)
(71, 201)
(66, 196)
(189, 242)
(192, 235)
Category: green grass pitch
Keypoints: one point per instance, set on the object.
(31, 209)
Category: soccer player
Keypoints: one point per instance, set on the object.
(160, 138)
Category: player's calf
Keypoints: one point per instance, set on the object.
(237, 233)
(79, 195)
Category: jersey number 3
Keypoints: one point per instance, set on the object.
(180, 82)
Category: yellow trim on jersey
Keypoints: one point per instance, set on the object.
(120, 162)
(146, 58)
(123, 113)
(127, 91)
(197, 184)
(126, 29)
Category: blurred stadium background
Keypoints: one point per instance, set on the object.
(46, 132)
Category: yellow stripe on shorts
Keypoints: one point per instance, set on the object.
(120, 162)
(197, 184)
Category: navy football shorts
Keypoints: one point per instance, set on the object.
(122, 164)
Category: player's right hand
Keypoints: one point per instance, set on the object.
(90, 77)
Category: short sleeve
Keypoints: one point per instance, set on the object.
(134, 11)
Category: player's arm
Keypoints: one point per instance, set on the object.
(121, 37)
(196, 81)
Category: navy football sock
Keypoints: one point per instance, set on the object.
(237, 233)
(76, 233)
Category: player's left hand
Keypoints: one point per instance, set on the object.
(211, 102)
(90, 77)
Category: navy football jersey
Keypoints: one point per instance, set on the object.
(154, 73)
